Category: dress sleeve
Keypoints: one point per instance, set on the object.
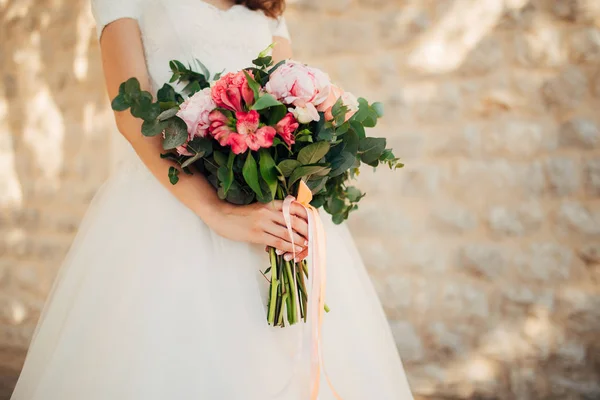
(279, 27)
(107, 11)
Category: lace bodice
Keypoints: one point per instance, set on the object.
(185, 30)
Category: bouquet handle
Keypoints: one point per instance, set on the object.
(317, 283)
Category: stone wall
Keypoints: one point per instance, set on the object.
(485, 249)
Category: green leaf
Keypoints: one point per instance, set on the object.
(358, 128)
(200, 145)
(378, 107)
(119, 103)
(132, 86)
(313, 153)
(266, 101)
(371, 149)
(274, 67)
(173, 175)
(266, 51)
(363, 110)
(338, 218)
(268, 170)
(191, 160)
(220, 158)
(252, 84)
(288, 166)
(305, 138)
(335, 205)
(304, 171)
(153, 128)
(353, 194)
(203, 69)
(166, 94)
(171, 112)
(351, 142)
(175, 133)
(318, 201)
(342, 163)
(225, 174)
(317, 185)
(276, 114)
(263, 61)
(250, 173)
(192, 88)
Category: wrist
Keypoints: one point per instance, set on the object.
(214, 211)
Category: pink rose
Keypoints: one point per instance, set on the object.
(286, 128)
(301, 86)
(194, 112)
(255, 137)
(348, 99)
(229, 91)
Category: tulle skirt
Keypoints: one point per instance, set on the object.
(151, 304)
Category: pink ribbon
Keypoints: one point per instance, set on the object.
(317, 279)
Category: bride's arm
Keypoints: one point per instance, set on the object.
(123, 58)
(282, 49)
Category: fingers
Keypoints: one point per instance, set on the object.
(295, 209)
(280, 244)
(299, 256)
(298, 225)
(282, 233)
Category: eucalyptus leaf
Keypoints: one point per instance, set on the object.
(342, 163)
(371, 149)
(313, 153)
(351, 142)
(119, 103)
(132, 86)
(335, 205)
(358, 128)
(203, 68)
(175, 133)
(173, 175)
(317, 185)
(378, 107)
(191, 160)
(200, 145)
(153, 128)
(171, 112)
(166, 94)
(353, 194)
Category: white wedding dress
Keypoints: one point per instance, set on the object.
(151, 304)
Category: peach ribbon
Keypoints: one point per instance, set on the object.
(317, 279)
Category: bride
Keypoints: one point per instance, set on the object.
(160, 296)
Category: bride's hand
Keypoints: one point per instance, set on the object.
(264, 224)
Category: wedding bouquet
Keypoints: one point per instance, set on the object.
(265, 133)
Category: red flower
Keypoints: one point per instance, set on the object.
(229, 91)
(286, 128)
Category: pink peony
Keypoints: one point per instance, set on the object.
(232, 90)
(286, 128)
(348, 99)
(301, 86)
(194, 112)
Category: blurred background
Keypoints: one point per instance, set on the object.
(485, 249)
